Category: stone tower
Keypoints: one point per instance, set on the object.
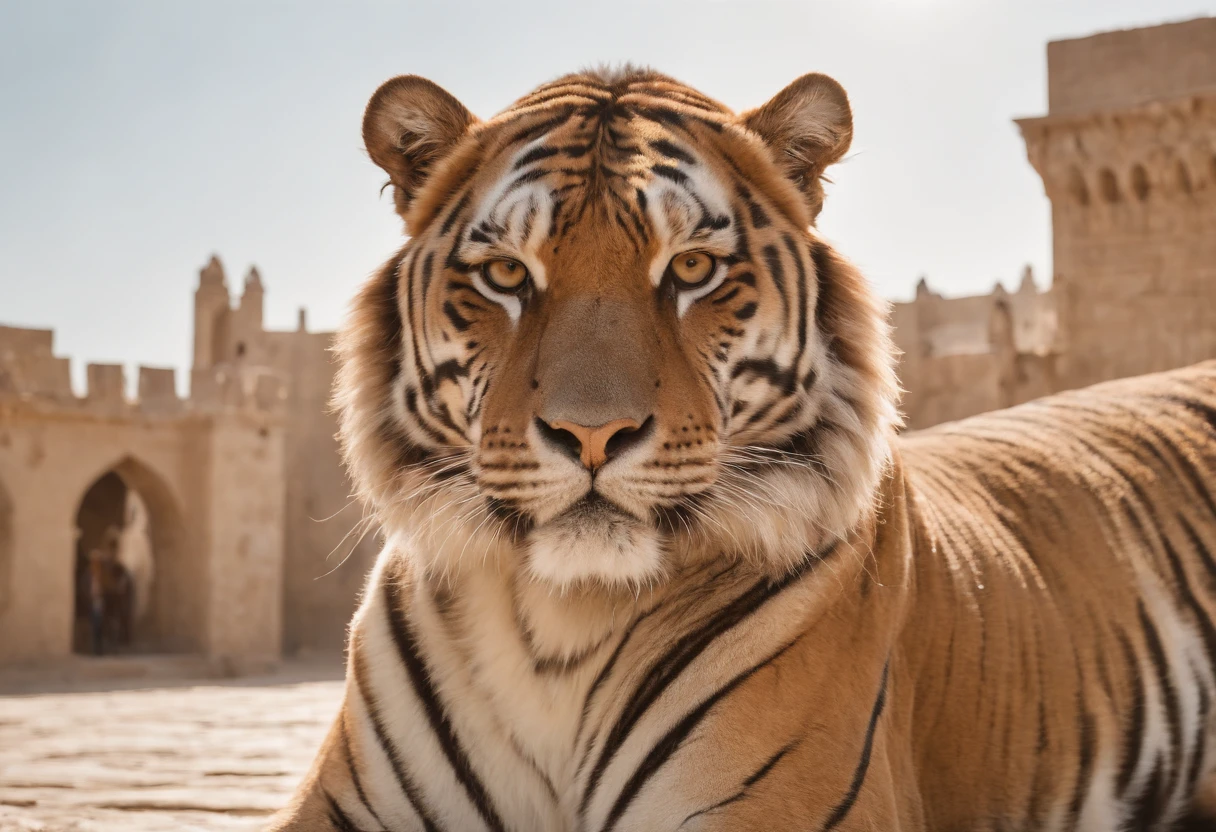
(1127, 154)
(247, 321)
(211, 314)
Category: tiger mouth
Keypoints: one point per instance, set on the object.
(594, 507)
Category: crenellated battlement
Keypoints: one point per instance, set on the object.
(30, 372)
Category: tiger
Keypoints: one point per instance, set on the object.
(657, 551)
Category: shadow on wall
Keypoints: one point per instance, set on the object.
(137, 587)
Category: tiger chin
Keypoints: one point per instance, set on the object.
(655, 557)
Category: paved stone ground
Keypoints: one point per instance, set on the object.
(185, 755)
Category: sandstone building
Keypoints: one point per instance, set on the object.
(233, 508)
(239, 486)
(1127, 154)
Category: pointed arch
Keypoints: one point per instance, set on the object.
(174, 618)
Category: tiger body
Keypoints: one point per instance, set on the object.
(655, 558)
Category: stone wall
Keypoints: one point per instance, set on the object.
(50, 456)
(962, 356)
(1115, 69)
(1133, 190)
(329, 550)
(327, 554)
(209, 474)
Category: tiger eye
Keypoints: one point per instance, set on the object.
(505, 275)
(692, 268)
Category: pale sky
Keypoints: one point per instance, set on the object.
(137, 138)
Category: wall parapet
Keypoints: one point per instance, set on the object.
(1128, 156)
(31, 372)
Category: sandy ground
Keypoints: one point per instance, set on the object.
(180, 756)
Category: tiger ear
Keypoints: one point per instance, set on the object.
(410, 125)
(807, 126)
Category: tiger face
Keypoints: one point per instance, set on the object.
(612, 342)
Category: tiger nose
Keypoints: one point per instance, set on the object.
(594, 446)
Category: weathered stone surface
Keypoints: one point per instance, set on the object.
(208, 756)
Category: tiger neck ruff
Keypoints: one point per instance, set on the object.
(655, 559)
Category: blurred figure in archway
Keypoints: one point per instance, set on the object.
(105, 596)
(92, 596)
(118, 591)
(135, 554)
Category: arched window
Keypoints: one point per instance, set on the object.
(1108, 185)
(1182, 177)
(1140, 186)
(1077, 188)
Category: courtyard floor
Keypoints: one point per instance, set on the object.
(162, 754)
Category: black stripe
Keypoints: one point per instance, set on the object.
(408, 787)
(1206, 629)
(675, 736)
(1133, 736)
(1205, 704)
(772, 372)
(1085, 765)
(676, 119)
(337, 817)
(668, 172)
(1181, 460)
(752, 779)
(390, 333)
(454, 213)
(802, 297)
(458, 321)
(611, 663)
(354, 775)
(726, 298)
(1204, 411)
(528, 133)
(535, 155)
(863, 765)
(825, 302)
(672, 151)
(682, 653)
(390, 327)
(759, 217)
(1172, 709)
(1152, 803)
(441, 726)
(772, 258)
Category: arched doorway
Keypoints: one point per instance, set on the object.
(137, 589)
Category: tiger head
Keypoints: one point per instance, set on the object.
(613, 341)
